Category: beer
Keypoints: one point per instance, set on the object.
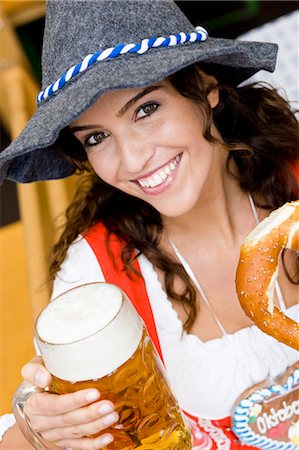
(92, 337)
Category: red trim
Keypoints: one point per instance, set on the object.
(295, 169)
(97, 236)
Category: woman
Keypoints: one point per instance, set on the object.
(183, 165)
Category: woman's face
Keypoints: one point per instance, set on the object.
(148, 142)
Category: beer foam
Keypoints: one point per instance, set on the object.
(88, 332)
(78, 313)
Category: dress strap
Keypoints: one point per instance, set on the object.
(253, 209)
(196, 283)
(198, 286)
(107, 249)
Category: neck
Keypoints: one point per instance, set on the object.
(222, 213)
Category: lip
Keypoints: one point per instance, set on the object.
(165, 184)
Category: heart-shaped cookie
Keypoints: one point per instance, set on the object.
(266, 416)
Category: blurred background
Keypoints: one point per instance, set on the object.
(30, 214)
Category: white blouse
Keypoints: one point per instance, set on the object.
(207, 377)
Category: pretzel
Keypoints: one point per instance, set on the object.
(257, 272)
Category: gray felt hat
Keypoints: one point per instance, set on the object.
(82, 59)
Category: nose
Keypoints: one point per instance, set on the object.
(135, 151)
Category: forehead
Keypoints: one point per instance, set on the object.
(117, 99)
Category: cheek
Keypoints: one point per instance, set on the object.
(104, 166)
(190, 124)
(181, 131)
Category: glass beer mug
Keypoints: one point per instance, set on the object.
(92, 337)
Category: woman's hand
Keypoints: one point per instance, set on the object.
(67, 419)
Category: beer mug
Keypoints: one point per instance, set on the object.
(92, 337)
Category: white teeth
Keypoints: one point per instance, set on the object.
(157, 178)
(161, 175)
(144, 183)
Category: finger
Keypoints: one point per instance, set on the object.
(36, 373)
(87, 443)
(79, 416)
(80, 431)
(46, 404)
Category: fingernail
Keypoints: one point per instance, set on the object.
(91, 396)
(105, 409)
(41, 379)
(106, 440)
(109, 420)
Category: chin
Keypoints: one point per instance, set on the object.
(175, 208)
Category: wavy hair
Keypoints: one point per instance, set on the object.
(259, 131)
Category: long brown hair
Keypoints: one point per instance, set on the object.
(260, 133)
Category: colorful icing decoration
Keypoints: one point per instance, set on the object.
(267, 416)
(201, 441)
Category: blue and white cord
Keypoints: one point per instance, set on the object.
(200, 34)
(241, 415)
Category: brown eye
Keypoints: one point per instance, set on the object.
(146, 110)
(96, 138)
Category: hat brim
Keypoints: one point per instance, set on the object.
(31, 157)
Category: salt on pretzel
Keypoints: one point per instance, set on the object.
(257, 272)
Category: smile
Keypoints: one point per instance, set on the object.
(160, 176)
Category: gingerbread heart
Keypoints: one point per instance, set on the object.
(266, 416)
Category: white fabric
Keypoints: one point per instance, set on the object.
(6, 421)
(73, 272)
(207, 377)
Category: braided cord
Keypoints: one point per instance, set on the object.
(200, 34)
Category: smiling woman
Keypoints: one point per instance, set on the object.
(181, 164)
(149, 145)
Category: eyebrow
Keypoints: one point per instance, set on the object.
(133, 100)
(122, 111)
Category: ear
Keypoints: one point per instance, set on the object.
(213, 97)
(211, 85)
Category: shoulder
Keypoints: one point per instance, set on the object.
(86, 257)
(79, 267)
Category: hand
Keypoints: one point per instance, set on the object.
(67, 419)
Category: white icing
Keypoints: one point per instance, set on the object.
(270, 291)
(274, 220)
(292, 232)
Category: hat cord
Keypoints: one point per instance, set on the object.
(200, 34)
